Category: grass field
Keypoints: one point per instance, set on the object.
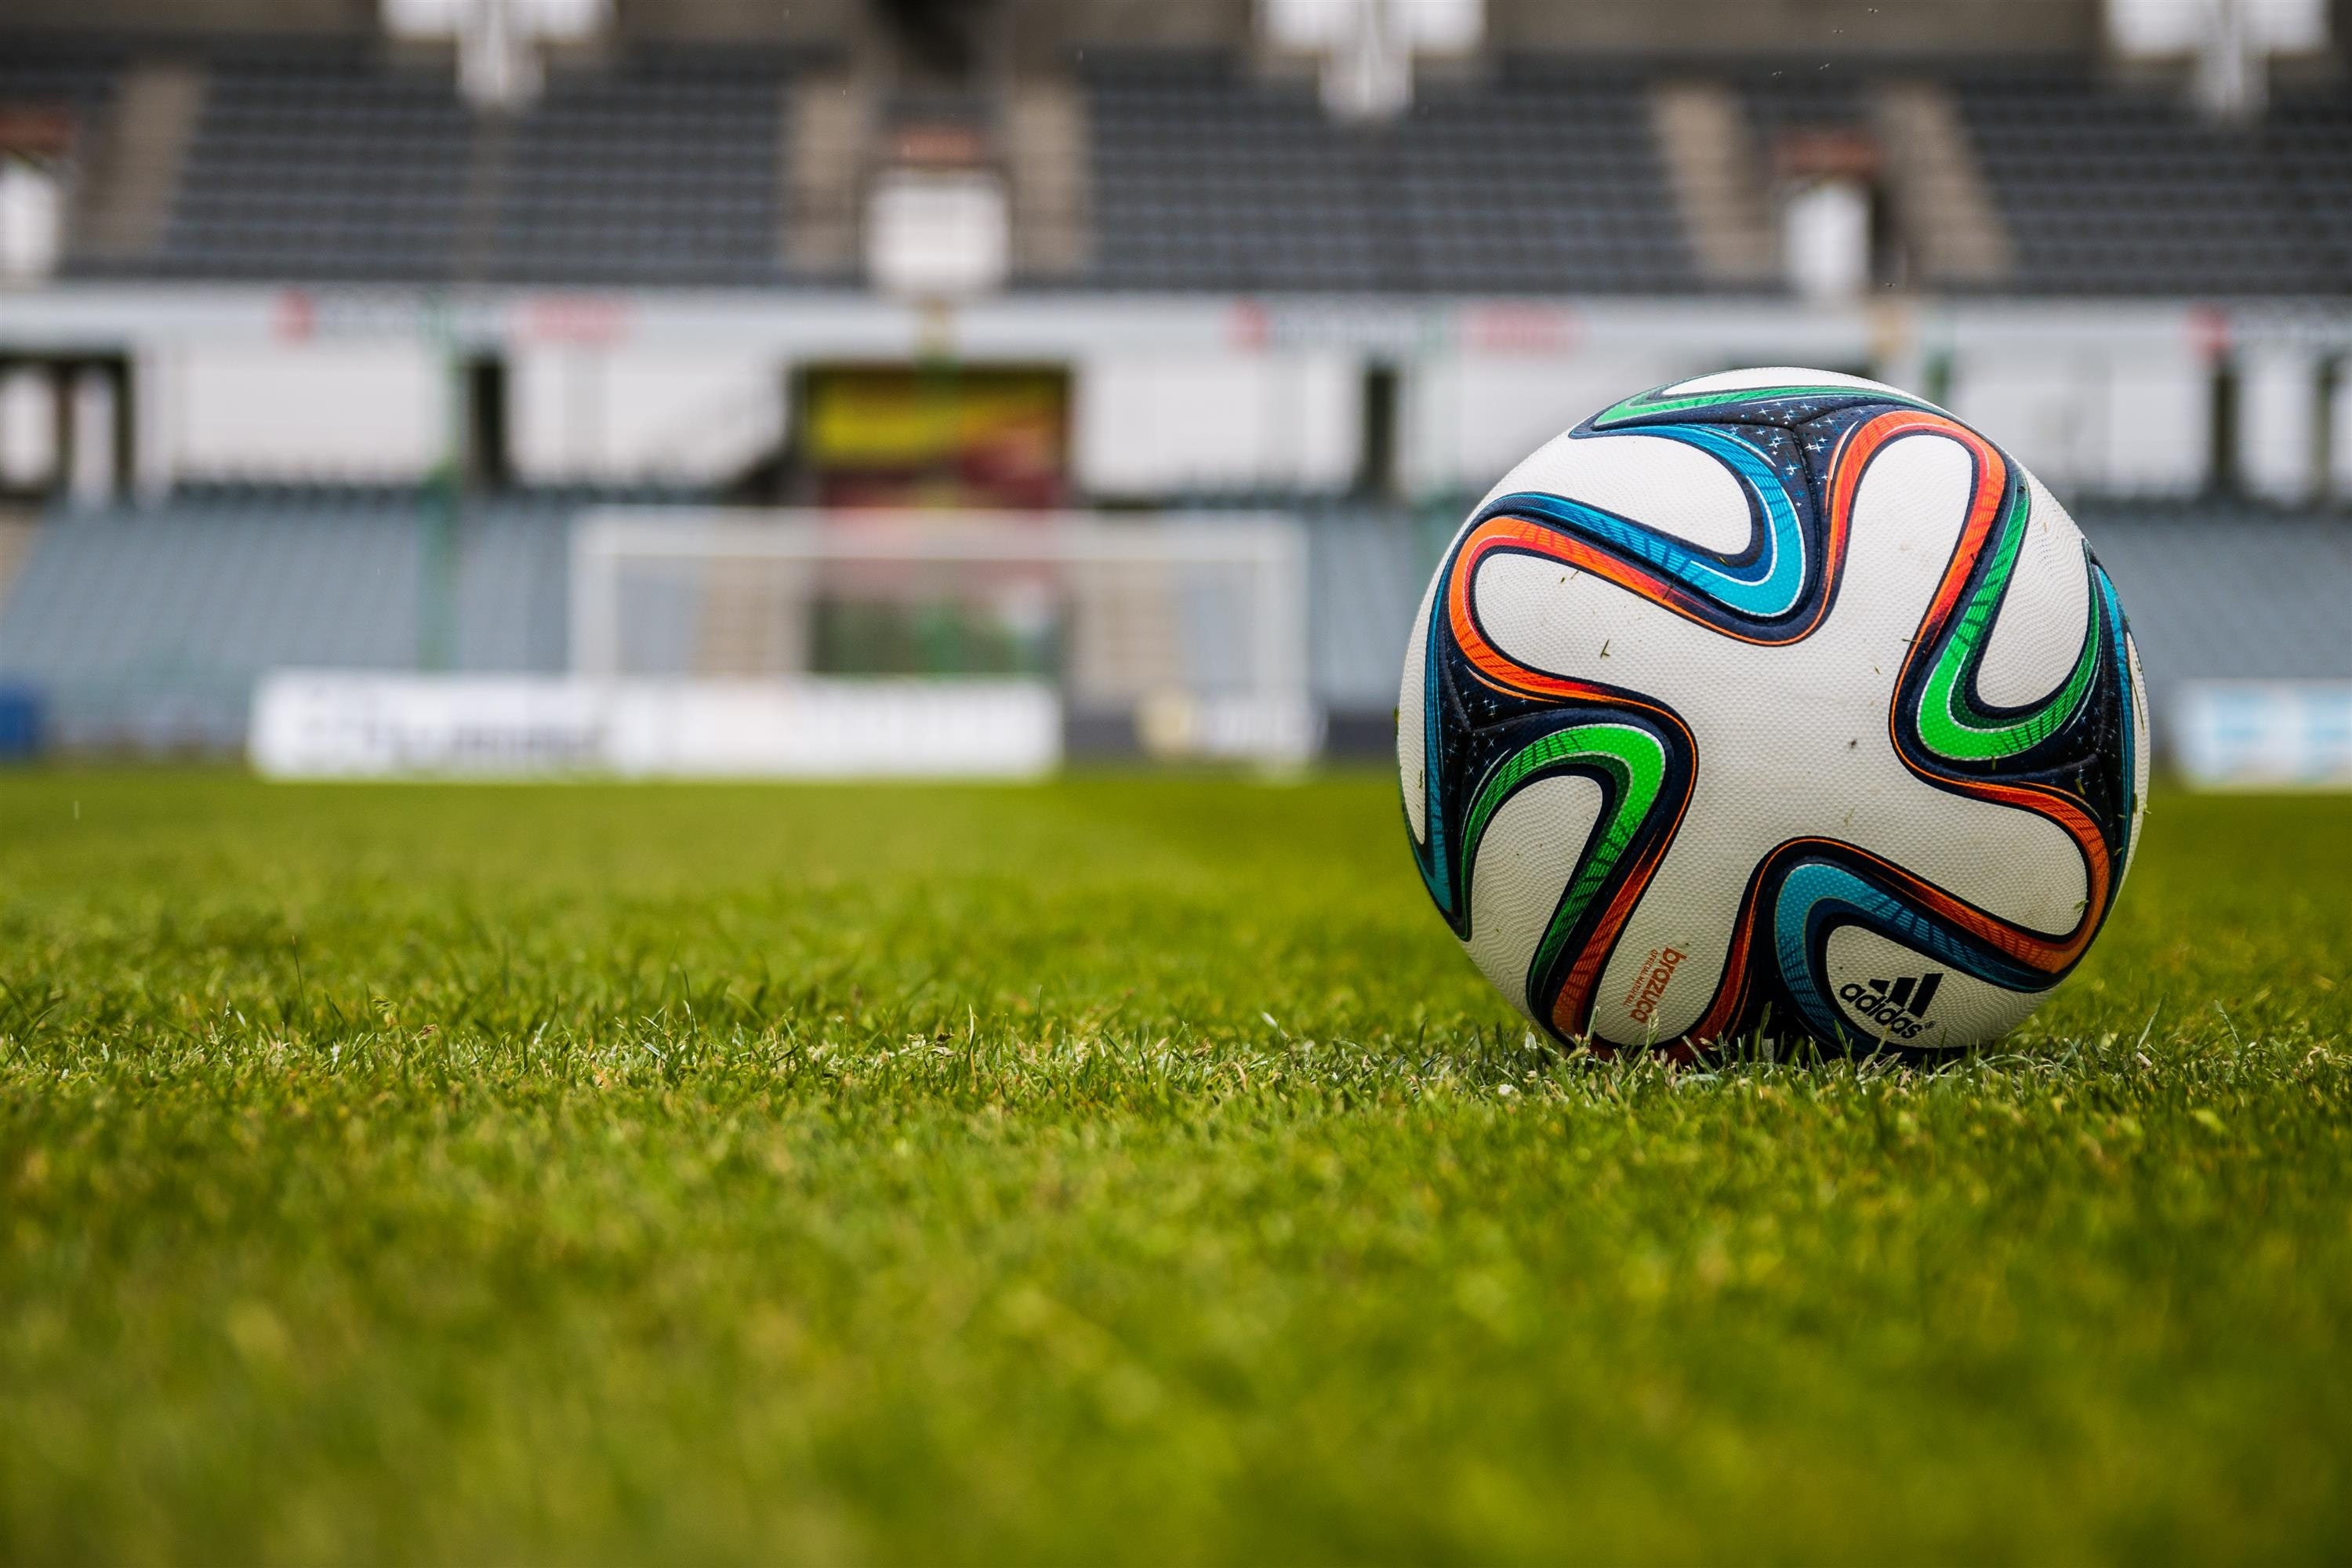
(1127, 1169)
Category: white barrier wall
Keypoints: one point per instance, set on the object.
(1470, 417)
(1228, 421)
(1173, 391)
(2158, 410)
(593, 412)
(2278, 424)
(2136, 419)
(27, 427)
(1216, 421)
(352, 409)
(330, 724)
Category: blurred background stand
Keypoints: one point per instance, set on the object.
(326, 326)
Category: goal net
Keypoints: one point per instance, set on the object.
(1176, 636)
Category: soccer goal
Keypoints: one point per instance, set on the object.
(1177, 636)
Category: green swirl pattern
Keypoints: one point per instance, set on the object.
(1949, 723)
(1635, 762)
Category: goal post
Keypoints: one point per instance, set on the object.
(1180, 636)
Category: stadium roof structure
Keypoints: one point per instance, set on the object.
(676, 164)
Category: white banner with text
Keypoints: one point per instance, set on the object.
(363, 725)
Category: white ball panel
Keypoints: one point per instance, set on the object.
(1526, 861)
(1413, 720)
(2037, 634)
(1563, 621)
(1670, 486)
(1964, 1011)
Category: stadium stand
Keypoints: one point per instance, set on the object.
(2109, 190)
(330, 162)
(669, 162)
(666, 164)
(326, 163)
(146, 627)
(2310, 137)
(320, 165)
(73, 75)
(664, 171)
(1200, 182)
(2222, 592)
(1545, 179)
(1800, 96)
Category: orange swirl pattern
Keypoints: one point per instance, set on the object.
(1571, 1006)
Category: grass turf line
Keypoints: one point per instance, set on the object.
(1125, 1168)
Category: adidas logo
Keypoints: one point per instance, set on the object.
(1900, 1006)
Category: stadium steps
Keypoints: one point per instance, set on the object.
(125, 199)
(831, 119)
(1045, 160)
(1941, 199)
(1717, 181)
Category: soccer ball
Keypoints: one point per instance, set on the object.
(1770, 705)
